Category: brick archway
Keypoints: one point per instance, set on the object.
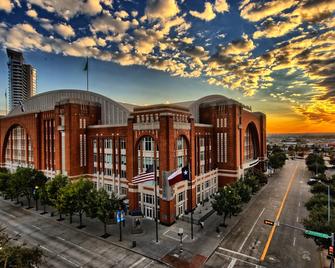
(251, 142)
(24, 136)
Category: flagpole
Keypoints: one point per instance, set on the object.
(156, 205)
(87, 73)
(190, 179)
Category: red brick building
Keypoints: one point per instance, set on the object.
(80, 133)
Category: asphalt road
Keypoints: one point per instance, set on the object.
(244, 244)
(65, 246)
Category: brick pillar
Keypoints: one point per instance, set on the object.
(167, 163)
(133, 195)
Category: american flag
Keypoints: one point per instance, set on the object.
(149, 175)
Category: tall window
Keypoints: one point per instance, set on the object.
(145, 155)
(181, 152)
(19, 150)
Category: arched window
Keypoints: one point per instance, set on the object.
(250, 143)
(19, 150)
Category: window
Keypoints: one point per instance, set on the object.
(95, 157)
(123, 159)
(109, 187)
(123, 174)
(148, 143)
(124, 190)
(108, 171)
(148, 198)
(181, 197)
(108, 159)
(108, 143)
(123, 143)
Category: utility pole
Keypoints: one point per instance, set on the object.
(156, 201)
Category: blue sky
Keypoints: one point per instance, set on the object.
(277, 56)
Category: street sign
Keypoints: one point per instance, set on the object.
(331, 251)
(268, 222)
(317, 234)
(120, 216)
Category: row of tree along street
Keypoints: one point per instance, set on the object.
(317, 205)
(228, 201)
(67, 197)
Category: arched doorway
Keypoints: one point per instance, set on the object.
(18, 148)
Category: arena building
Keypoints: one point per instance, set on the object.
(80, 133)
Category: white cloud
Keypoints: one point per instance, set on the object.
(65, 30)
(107, 24)
(161, 9)
(122, 14)
(68, 9)
(207, 15)
(6, 5)
(32, 13)
(221, 6)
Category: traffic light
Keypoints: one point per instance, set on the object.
(268, 222)
(331, 251)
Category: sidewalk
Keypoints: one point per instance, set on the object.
(195, 252)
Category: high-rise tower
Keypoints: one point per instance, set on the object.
(21, 79)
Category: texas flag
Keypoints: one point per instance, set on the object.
(179, 175)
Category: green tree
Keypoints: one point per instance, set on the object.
(227, 203)
(252, 182)
(4, 184)
(277, 160)
(18, 255)
(106, 206)
(318, 201)
(44, 198)
(53, 187)
(25, 177)
(315, 163)
(243, 190)
(67, 197)
(82, 189)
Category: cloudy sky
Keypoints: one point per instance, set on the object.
(278, 56)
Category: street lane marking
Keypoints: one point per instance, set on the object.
(69, 261)
(238, 253)
(299, 204)
(165, 234)
(233, 262)
(46, 249)
(8, 214)
(251, 230)
(138, 262)
(294, 241)
(233, 258)
(268, 242)
(149, 264)
(297, 219)
(36, 227)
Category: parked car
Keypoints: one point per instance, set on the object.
(312, 181)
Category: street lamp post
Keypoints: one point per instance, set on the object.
(180, 233)
(328, 186)
(36, 199)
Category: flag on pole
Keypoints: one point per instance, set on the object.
(86, 66)
(22, 107)
(149, 175)
(179, 175)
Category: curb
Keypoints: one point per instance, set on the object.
(91, 235)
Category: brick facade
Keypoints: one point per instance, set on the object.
(71, 138)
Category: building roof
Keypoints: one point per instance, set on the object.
(112, 112)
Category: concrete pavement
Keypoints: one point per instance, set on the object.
(245, 242)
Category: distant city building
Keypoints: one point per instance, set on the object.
(80, 133)
(22, 78)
